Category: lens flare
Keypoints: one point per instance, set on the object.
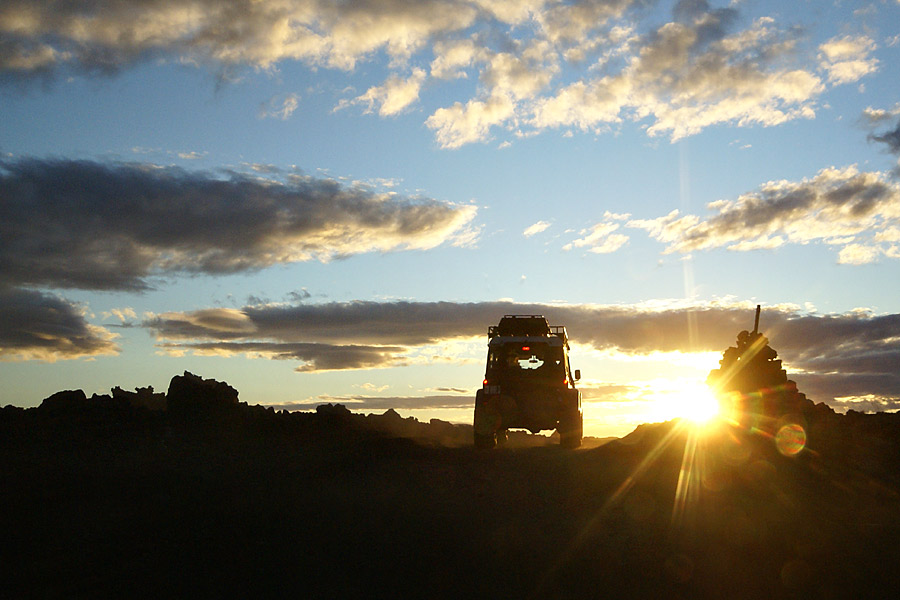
(790, 439)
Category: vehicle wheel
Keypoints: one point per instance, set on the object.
(571, 430)
(502, 437)
(484, 423)
(484, 441)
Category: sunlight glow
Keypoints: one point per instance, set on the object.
(690, 400)
(698, 404)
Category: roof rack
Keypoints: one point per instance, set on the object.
(526, 325)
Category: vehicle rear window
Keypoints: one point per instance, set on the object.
(538, 358)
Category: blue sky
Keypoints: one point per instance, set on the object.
(331, 201)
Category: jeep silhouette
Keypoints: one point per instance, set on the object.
(528, 383)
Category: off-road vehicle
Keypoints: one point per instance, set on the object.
(528, 383)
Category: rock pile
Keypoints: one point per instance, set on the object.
(752, 388)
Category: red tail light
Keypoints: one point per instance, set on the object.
(484, 382)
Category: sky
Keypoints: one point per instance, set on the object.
(322, 201)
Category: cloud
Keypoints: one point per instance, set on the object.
(461, 124)
(192, 155)
(836, 355)
(584, 65)
(890, 138)
(601, 238)
(866, 403)
(875, 117)
(840, 207)
(846, 59)
(81, 224)
(43, 37)
(314, 357)
(857, 254)
(279, 107)
(39, 326)
(536, 228)
(377, 403)
(453, 57)
(606, 392)
(394, 96)
(688, 76)
(124, 315)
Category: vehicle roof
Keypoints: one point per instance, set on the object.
(550, 340)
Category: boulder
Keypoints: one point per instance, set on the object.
(141, 397)
(191, 395)
(65, 400)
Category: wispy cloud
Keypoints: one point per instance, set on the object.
(602, 238)
(81, 224)
(536, 228)
(279, 107)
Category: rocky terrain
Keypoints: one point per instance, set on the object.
(194, 493)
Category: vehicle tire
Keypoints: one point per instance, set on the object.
(484, 441)
(571, 430)
(483, 424)
(502, 437)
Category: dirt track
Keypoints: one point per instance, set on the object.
(322, 506)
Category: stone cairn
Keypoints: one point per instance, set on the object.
(754, 392)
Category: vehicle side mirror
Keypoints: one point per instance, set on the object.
(577, 374)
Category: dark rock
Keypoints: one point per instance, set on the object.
(190, 395)
(333, 410)
(65, 400)
(141, 397)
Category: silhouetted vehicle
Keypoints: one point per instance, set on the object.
(528, 383)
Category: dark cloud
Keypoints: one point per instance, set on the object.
(711, 24)
(82, 224)
(840, 390)
(874, 119)
(35, 325)
(890, 138)
(360, 403)
(852, 354)
(315, 357)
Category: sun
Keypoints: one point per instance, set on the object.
(690, 400)
(696, 403)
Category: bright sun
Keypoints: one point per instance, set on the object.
(689, 400)
(697, 404)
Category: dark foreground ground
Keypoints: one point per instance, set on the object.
(106, 500)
